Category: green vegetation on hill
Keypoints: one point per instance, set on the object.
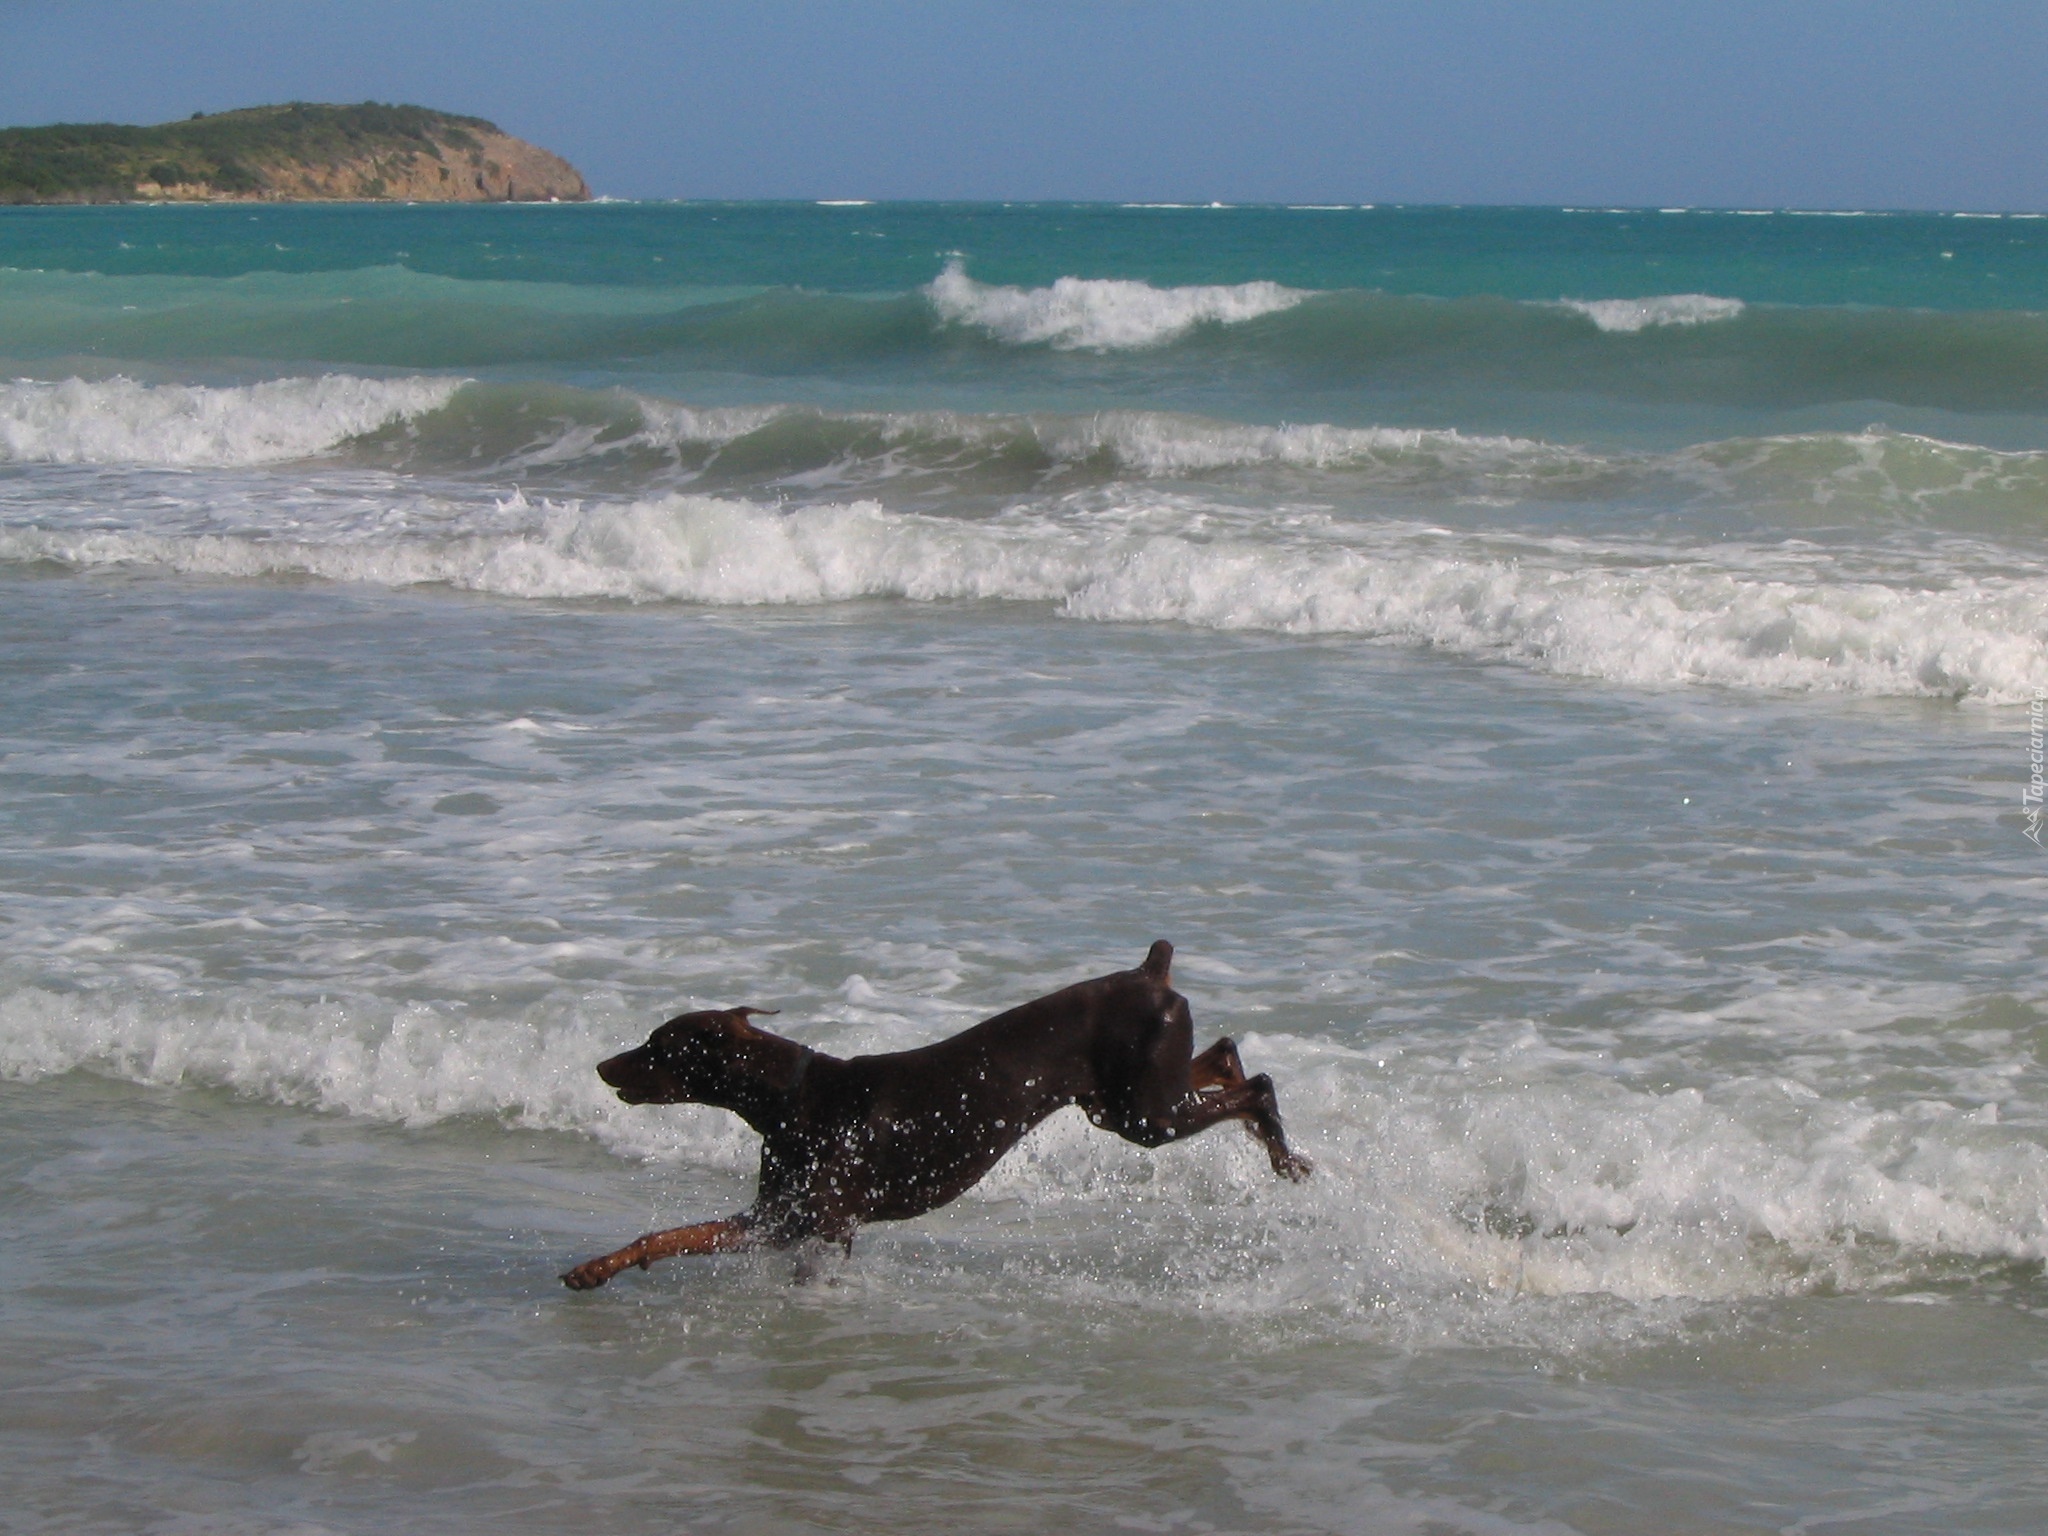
(228, 153)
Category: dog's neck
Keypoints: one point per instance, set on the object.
(767, 1082)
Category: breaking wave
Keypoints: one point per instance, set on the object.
(1626, 613)
(1099, 314)
(1434, 1183)
(570, 441)
(1627, 316)
(120, 421)
(661, 502)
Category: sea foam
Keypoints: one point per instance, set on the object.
(1627, 316)
(121, 421)
(1627, 614)
(1100, 314)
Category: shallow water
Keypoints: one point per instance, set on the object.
(1616, 847)
(411, 1364)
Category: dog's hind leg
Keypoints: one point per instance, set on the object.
(705, 1237)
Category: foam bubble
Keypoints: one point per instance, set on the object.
(1627, 316)
(1101, 314)
(120, 421)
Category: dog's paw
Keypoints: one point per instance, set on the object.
(587, 1277)
(1293, 1167)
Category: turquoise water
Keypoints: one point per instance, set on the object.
(1565, 681)
(1423, 317)
(1890, 260)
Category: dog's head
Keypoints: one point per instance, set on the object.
(708, 1057)
(1153, 994)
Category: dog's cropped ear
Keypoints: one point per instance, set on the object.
(747, 1013)
(1159, 961)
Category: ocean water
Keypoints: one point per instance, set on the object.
(1569, 682)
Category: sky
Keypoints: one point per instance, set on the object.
(1722, 103)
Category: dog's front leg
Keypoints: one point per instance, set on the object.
(705, 1237)
(1251, 1101)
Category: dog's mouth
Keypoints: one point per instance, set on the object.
(626, 1074)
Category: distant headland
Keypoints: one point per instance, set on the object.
(296, 153)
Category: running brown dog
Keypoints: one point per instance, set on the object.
(883, 1138)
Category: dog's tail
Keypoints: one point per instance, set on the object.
(1159, 961)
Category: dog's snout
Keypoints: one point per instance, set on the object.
(620, 1070)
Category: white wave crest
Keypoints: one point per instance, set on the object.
(1624, 615)
(1154, 443)
(1628, 316)
(1568, 1186)
(121, 421)
(669, 424)
(1100, 314)
(1648, 626)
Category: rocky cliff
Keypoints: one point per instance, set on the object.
(300, 152)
